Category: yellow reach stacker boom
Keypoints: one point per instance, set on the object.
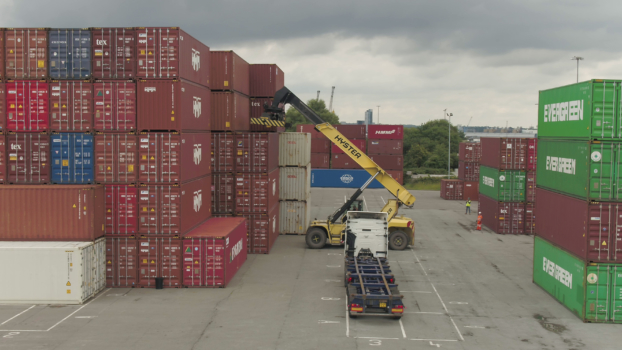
(331, 231)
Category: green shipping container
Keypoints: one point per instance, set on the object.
(502, 185)
(593, 291)
(583, 169)
(584, 111)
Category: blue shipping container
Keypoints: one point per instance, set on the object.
(72, 158)
(70, 53)
(343, 178)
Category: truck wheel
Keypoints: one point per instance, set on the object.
(398, 240)
(316, 238)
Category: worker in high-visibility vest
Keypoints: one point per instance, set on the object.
(468, 206)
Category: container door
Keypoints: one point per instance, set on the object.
(83, 159)
(602, 168)
(616, 294)
(148, 261)
(121, 209)
(605, 105)
(599, 287)
(215, 262)
(193, 262)
(170, 269)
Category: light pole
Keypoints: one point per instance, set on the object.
(378, 114)
(449, 115)
(577, 58)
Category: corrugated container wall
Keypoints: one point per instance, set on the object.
(2, 55)
(501, 217)
(3, 149)
(295, 183)
(470, 151)
(532, 154)
(230, 111)
(530, 218)
(3, 108)
(26, 53)
(256, 192)
(502, 185)
(171, 53)
(71, 106)
(360, 144)
(386, 132)
(471, 191)
(320, 146)
(342, 178)
(530, 191)
(223, 196)
(114, 53)
(343, 161)
(385, 147)
(505, 153)
(116, 158)
(160, 256)
(51, 213)
(582, 111)
(172, 158)
(229, 72)
(389, 162)
(256, 152)
(73, 158)
(265, 80)
(257, 109)
(589, 230)
(218, 247)
(223, 152)
(27, 106)
(121, 261)
(263, 230)
(174, 209)
(70, 53)
(320, 160)
(173, 105)
(398, 175)
(52, 272)
(28, 158)
(294, 217)
(310, 129)
(115, 106)
(294, 149)
(452, 189)
(468, 171)
(352, 132)
(121, 209)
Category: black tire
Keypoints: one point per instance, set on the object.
(396, 317)
(316, 238)
(398, 240)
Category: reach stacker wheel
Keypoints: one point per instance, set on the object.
(316, 238)
(398, 240)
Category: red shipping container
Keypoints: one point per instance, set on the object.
(590, 230)
(343, 161)
(257, 109)
(116, 158)
(398, 175)
(2, 107)
(452, 189)
(263, 230)
(352, 132)
(121, 209)
(320, 160)
(389, 162)
(3, 178)
(504, 153)
(502, 217)
(471, 190)
(114, 106)
(468, 171)
(71, 106)
(395, 147)
(113, 53)
(169, 158)
(532, 154)
(174, 209)
(256, 152)
(530, 218)
(530, 192)
(229, 72)
(27, 106)
(223, 152)
(28, 158)
(160, 256)
(171, 53)
(51, 212)
(230, 111)
(470, 151)
(256, 193)
(214, 252)
(121, 261)
(309, 128)
(320, 146)
(360, 144)
(223, 195)
(26, 53)
(2, 63)
(173, 105)
(387, 132)
(265, 80)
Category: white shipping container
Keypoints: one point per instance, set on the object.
(294, 149)
(295, 183)
(51, 272)
(294, 217)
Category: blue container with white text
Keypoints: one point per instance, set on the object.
(72, 158)
(70, 53)
(342, 178)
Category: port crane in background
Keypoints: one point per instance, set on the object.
(332, 230)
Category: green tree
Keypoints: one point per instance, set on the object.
(294, 117)
(426, 146)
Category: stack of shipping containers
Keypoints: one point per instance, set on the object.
(385, 146)
(244, 155)
(294, 182)
(467, 184)
(577, 250)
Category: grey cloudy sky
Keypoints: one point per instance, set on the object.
(486, 59)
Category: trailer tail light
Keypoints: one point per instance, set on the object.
(397, 309)
(391, 280)
(350, 279)
(356, 308)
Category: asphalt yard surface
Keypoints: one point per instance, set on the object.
(463, 289)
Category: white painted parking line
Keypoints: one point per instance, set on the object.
(435, 339)
(415, 291)
(383, 201)
(337, 281)
(334, 253)
(330, 299)
(325, 322)
(475, 327)
(347, 318)
(459, 302)
(86, 316)
(425, 312)
(82, 307)
(376, 338)
(364, 201)
(19, 314)
(333, 266)
(403, 331)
